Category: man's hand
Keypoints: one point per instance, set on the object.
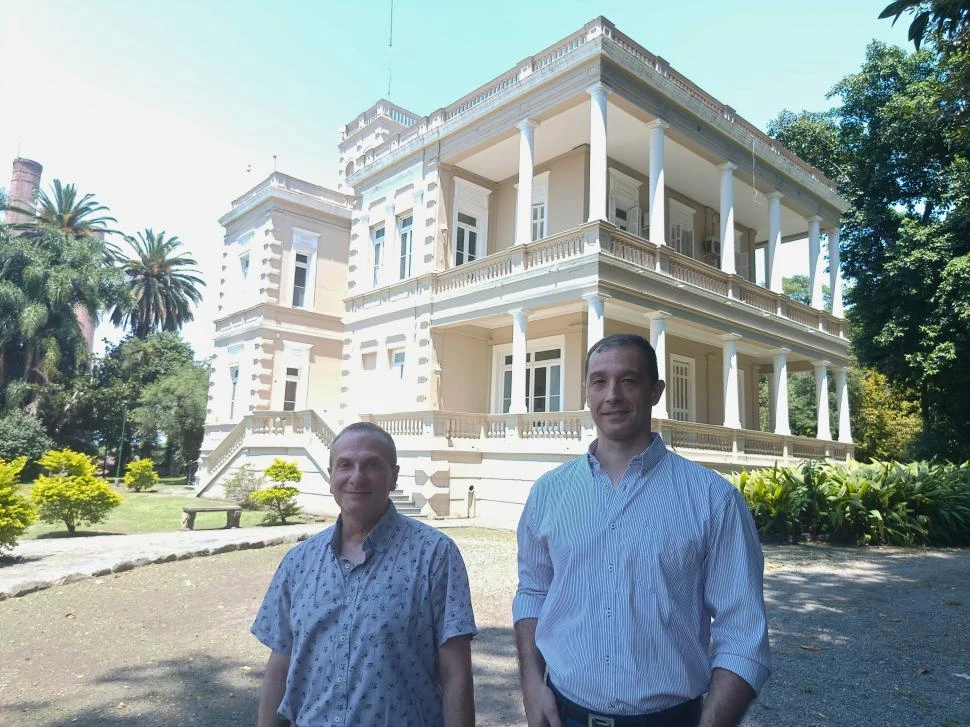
(537, 697)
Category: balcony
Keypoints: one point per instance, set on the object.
(589, 243)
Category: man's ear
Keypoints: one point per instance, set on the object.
(658, 390)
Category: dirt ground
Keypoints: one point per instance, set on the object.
(860, 637)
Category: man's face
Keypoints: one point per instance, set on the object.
(620, 394)
(361, 476)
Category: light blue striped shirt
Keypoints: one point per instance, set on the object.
(642, 589)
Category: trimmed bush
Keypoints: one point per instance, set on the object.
(280, 503)
(16, 514)
(282, 472)
(69, 492)
(140, 475)
(241, 485)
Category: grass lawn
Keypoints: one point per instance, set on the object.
(146, 512)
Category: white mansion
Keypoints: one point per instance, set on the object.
(451, 287)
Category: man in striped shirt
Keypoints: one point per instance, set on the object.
(640, 573)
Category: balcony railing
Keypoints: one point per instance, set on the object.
(555, 428)
(588, 239)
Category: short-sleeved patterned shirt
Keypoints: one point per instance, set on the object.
(363, 640)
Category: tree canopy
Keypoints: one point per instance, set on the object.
(899, 148)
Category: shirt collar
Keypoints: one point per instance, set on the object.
(645, 461)
(378, 538)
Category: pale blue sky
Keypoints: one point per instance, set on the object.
(159, 107)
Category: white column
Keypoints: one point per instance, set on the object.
(732, 409)
(595, 324)
(523, 211)
(780, 381)
(519, 348)
(824, 431)
(814, 262)
(835, 273)
(842, 395)
(597, 152)
(727, 216)
(774, 242)
(658, 223)
(658, 339)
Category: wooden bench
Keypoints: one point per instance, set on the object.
(232, 515)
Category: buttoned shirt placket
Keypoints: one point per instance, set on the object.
(354, 579)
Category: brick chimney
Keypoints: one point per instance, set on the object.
(24, 183)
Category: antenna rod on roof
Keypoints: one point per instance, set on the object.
(390, 45)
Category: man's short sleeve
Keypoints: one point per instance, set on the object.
(272, 624)
(535, 566)
(451, 598)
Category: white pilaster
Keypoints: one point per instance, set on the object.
(658, 339)
(523, 210)
(597, 152)
(732, 408)
(824, 430)
(780, 385)
(842, 395)
(658, 223)
(774, 242)
(519, 349)
(727, 217)
(595, 315)
(835, 273)
(814, 262)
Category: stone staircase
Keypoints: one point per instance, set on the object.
(404, 504)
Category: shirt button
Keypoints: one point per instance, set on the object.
(609, 613)
(349, 600)
(610, 567)
(339, 679)
(612, 526)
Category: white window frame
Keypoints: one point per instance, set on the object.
(470, 200)
(690, 386)
(681, 221)
(624, 195)
(305, 242)
(405, 235)
(233, 389)
(296, 355)
(378, 245)
(396, 361)
(539, 216)
(294, 379)
(742, 260)
(538, 344)
(244, 264)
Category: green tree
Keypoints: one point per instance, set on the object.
(140, 475)
(164, 285)
(902, 149)
(280, 503)
(70, 493)
(23, 435)
(943, 20)
(16, 514)
(886, 423)
(282, 472)
(64, 211)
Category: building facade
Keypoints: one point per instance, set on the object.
(589, 190)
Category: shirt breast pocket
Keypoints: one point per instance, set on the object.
(389, 616)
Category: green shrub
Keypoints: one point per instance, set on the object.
(882, 503)
(280, 503)
(22, 435)
(281, 472)
(69, 492)
(241, 485)
(16, 514)
(140, 475)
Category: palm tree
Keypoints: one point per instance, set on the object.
(163, 285)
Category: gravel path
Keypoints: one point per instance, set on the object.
(860, 637)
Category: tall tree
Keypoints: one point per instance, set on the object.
(900, 149)
(164, 285)
(943, 20)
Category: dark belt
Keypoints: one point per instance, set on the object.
(686, 714)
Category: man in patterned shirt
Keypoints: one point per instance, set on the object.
(640, 573)
(370, 621)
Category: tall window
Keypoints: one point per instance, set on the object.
(244, 265)
(377, 255)
(289, 390)
(406, 237)
(624, 202)
(233, 390)
(466, 239)
(538, 220)
(300, 273)
(682, 228)
(543, 381)
(680, 389)
(742, 264)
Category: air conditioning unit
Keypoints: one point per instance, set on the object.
(712, 247)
